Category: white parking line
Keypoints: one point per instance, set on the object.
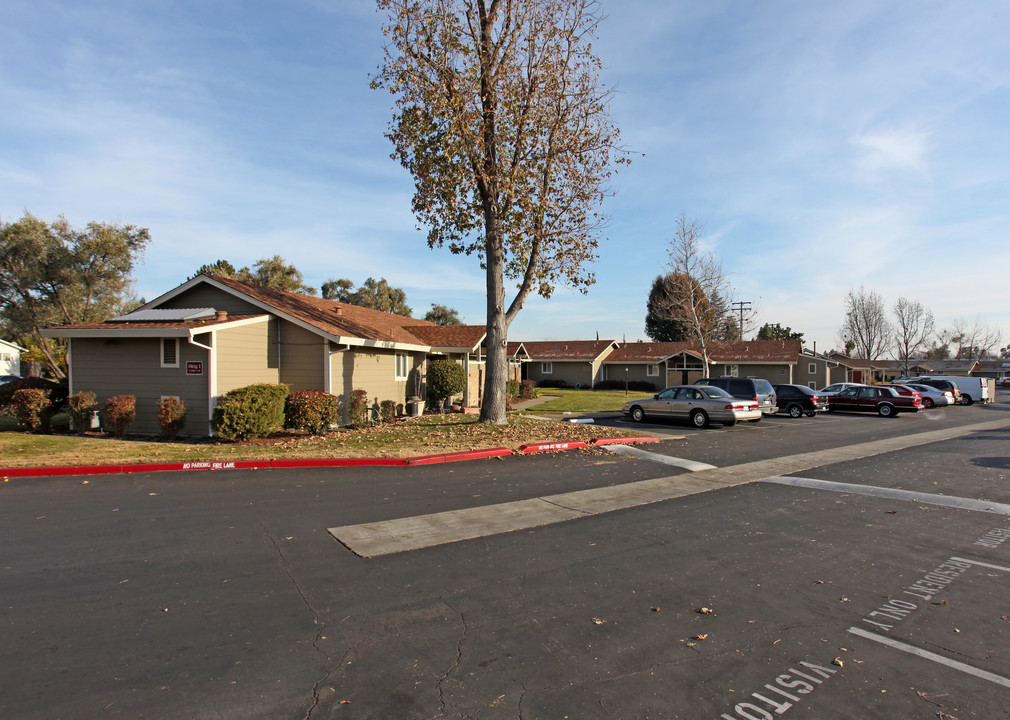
(691, 465)
(925, 654)
(874, 491)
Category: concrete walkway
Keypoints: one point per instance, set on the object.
(412, 533)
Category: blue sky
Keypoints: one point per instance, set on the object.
(823, 146)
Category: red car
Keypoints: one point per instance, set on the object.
(881, 399)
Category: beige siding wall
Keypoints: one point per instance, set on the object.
(371, 370)
(244, 357)
(302, 358)
(133, 367)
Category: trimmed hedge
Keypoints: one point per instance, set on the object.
(445, 378)
(253, 411)
(358, 408)
(57, 391)
(81, 405)
(171, 417)
(311, 410)
(120, 410)
(33, 409)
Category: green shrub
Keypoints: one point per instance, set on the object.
(358, 408)
(526, 389)
(81, 405)
(33, 409)
(311, 410)
(512, 389)
(57, 392)
(120, 411)
(445, 379)
(171, 417)
(253, 411)
(387, 411)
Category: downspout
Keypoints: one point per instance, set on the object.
(327, 374)
(211, 375)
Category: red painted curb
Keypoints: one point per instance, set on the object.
(339, 462)
(464, 455)
(318, 463)
(548, 447)
(625, 440)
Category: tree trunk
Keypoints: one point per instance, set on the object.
(495, 404)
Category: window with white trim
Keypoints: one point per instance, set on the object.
(170, 352)
(652, 370)
(812, 368)
(547, 368)
(733, 370)
(402, 366)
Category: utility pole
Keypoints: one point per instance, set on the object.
(742, 304)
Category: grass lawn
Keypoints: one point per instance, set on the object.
(427, 435)
(569, 400)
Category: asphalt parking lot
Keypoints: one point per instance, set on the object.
(223, 595)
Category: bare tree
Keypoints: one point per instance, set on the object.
(865, 324)
(913, 329)
(975, 338)
(699, 285)
(502, 120)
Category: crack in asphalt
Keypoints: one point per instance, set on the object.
(458, 659)
(286, 569)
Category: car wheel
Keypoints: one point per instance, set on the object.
(699, 419)
(886, 410)
(795, 411)
(637, 414)
(966, 400)
(928, 402)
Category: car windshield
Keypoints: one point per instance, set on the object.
(716, 392)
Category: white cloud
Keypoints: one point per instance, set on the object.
(888, 151)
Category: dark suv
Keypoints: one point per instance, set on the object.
(799, 400)
(757, 389)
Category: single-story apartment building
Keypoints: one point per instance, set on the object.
(575, 363)
(214, 334)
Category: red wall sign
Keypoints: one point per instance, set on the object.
(194, 367)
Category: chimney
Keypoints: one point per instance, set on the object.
(221, 315)
(339, 311)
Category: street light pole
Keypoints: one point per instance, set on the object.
(625, 381)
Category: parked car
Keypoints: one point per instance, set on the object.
(885, 401)
(757, 389)
(797, 400)
(4, 379)
(835, 388)
(697, 405)
(902, 388)
(931, 396)
(938, 383)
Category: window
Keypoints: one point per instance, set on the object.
(546, 368)
(170, 352)
(812, 368)
(813, 386)
(732, 370)
(402, 366)
(652, 370)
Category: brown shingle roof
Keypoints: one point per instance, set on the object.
(647, 352)
(331, 317)
(567, 349)
(449, 336)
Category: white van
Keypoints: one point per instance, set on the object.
(973, 389)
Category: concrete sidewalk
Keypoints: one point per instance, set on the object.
(412, 533)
